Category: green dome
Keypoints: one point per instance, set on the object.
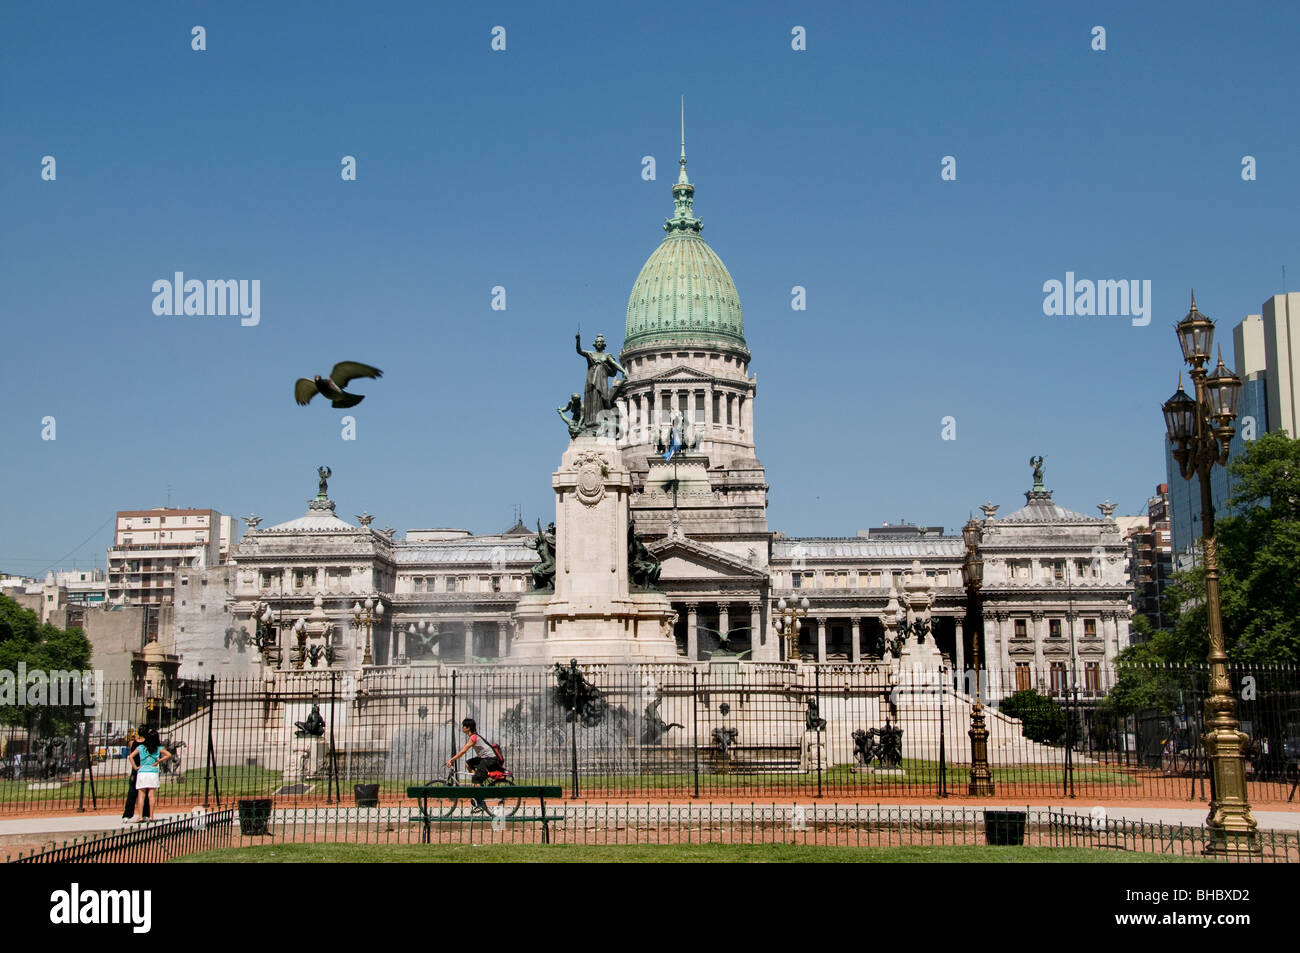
(684, 292)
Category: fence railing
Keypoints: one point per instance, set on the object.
(160, 841)
(726, 731)
(609, 824)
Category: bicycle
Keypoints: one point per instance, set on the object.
(495, 805)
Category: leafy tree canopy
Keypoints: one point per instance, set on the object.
(24, 638)
(1259, 570)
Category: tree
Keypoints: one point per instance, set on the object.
(39, 646)
(1259, 552)
(1041, 717)
(1259, 565)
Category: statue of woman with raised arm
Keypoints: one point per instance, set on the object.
(600, 389)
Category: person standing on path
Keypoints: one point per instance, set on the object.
(146, 758)
(133, 739)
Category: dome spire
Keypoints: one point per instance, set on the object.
(683, 193)
(681, 176)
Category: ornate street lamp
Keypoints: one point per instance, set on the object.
(789, 624)
(264, 636)
(367, 617)
(427, 632)
(972, 576)
(1200, 429)
(300, 630)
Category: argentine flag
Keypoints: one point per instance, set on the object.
(674, 443)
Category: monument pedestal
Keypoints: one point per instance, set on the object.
(592, 614)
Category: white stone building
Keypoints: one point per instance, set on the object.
(1056, 596)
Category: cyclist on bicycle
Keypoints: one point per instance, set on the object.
(482, 758)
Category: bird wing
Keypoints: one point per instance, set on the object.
(304, 390)
(345, 371)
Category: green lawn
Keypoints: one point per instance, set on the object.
(235, 781)
(655, 853)
(241, 781)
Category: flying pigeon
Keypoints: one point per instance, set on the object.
(332, 387)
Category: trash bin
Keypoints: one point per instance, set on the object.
(255, 816)
(367, 795)
(1004, 828)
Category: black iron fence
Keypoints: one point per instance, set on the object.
(390, 829)
(724, 731)
(160, 841)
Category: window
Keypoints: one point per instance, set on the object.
(1058, 678)
(717, 406)
(1022, 629)
(1054, 628)
(148, 519)
(1089, 628)
(796, 580)
(451, 583)
(1092, 676)
(1022, 677)
(1058, 570)
(419, 583)
(496, 583)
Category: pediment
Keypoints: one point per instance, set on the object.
(688, 559)
(680, 372)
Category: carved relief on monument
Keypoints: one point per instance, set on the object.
(593, 467)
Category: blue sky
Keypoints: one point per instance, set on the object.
(522, 168)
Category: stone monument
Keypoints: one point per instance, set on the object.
(592, 611)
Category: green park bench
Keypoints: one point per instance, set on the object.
(455, 794)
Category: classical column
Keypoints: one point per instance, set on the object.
(959, 655)
(469, 642)
(821, 638)
(708, 411)
(692, 636)
(401, 643)
(1001, 656)
(501, 639)
(1040, 633)
(756, 641)
(855, 648)
(724, 618)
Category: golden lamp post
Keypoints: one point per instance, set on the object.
(1200, 430)
(367, 616)
(972, 575)
(788, 624)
